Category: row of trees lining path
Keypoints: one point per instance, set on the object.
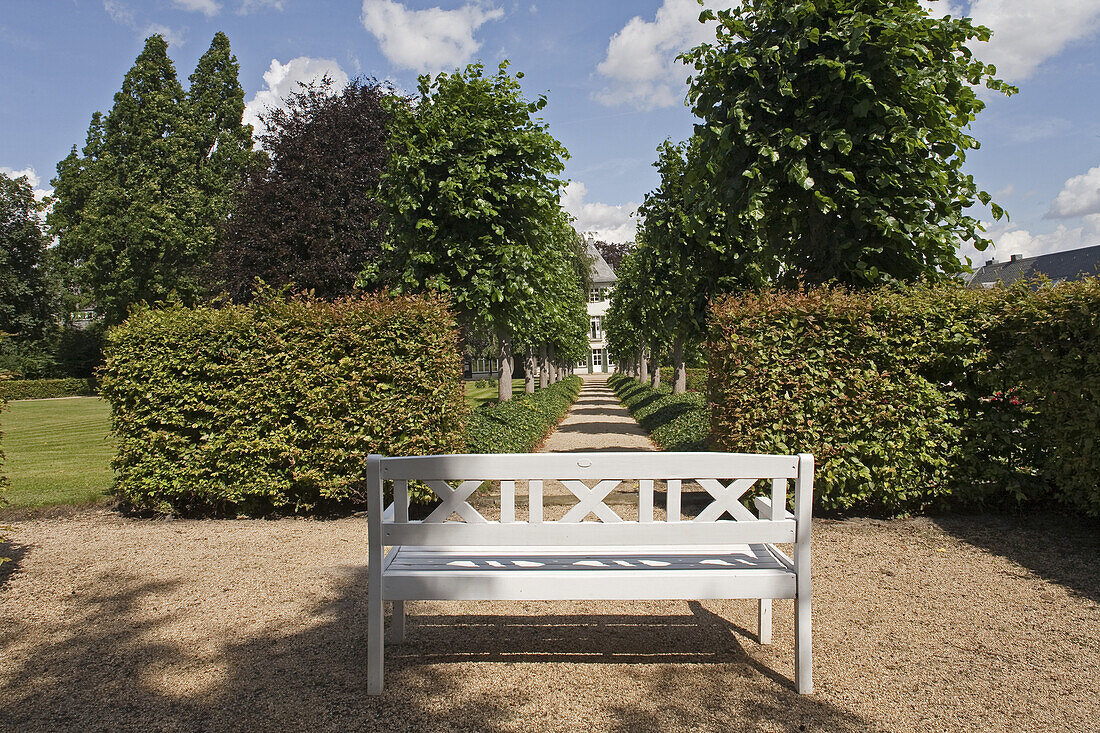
(829, 148)
(455, 189)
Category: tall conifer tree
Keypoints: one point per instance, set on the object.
(138, 214)
(223, 144)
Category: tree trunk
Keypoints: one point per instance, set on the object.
(552, 365)
(655, 378)
(643, 366)
(544, 368)
(504, 383)
(529, 368)
(679, 378)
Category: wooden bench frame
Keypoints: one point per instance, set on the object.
(575, 559)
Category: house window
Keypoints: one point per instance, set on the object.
(597, 357)
(485, 366)
(582, 365)
(594, 295)
(595, 331)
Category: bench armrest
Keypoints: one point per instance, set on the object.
(764, 508)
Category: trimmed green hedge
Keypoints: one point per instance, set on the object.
(696, 378)
(675, 422)
(520, 424)
(275, 405)
(1050, 345)
(916, 398)
(37, 389)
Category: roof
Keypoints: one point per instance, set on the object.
(600, 271)
(1072, 265)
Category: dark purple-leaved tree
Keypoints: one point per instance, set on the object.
(312, 217)
(612, 252)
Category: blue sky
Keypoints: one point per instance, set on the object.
(607, 67)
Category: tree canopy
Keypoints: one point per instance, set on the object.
(313, 216)
(832, 139)
(25, 298)
(612, 252)
(472, 190)
(830, 147)
(138, 214)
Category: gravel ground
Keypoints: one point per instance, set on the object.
(962, 624)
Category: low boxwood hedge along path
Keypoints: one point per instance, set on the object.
(597, 421)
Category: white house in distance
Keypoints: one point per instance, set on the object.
(599, 297)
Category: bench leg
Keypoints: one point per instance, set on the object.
(376, 643)
(764, 634)
(397, 622)
(803, 649)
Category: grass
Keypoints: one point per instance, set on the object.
(57, 451)
(478, 396)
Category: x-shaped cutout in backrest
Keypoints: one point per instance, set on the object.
(454, 502)
(726, 500)
(591, 500)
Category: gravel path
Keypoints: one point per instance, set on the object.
(967, 624)
(597, 421)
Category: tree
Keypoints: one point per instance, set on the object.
(313, 217)
(472, 189)
(675, 269)
(612, 252)
(76, 181)
(137, 216)
(25, 300)
(223, 152)
(832, 139)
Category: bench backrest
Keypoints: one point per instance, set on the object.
(727, 477)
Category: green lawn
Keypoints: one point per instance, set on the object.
(478, 396)
(57, 451)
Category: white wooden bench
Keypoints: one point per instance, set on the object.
(535, 559)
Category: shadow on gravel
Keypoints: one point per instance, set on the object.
(1058, 547)
(596, 428)
(101, 670)
(14, 552)
(602, 410)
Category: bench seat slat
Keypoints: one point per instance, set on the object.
(747, 571)
(583, 559)
(595, 534)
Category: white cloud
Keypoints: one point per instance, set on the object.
(250, 6)
(32, 178)
(1028, 32)
(208, 8)
(609, 222)
(124, 16)
(282, 79)
(1079, 196)
(1031, 131)
(427, 40)
(1011, 240)
(641, 58)
(172, 36)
